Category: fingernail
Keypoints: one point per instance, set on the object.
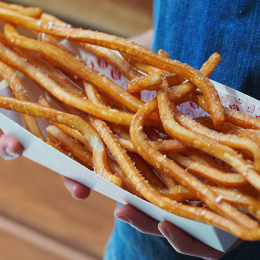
(70, 187)
(165, 233)
(66, 183)
(124, 219)
(8, 154)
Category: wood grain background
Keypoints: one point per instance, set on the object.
(121, 17)
(35, 198)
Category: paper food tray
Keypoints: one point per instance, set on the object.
(38, 151)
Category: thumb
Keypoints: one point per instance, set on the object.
(10, 148)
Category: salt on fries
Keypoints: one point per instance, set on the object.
(155, 152)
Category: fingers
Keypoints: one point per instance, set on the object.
(183, 243)
(10, 148)
(78, 190)
(137, 219)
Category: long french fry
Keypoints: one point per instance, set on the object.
(78, 150)
(20, 93)
(122, 45)
(160, 161)
(165, 157)
(98, 149)
(102, 111)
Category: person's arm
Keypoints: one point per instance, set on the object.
(145, 39)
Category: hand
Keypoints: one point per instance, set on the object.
(78, 190)
(10, 148)
(182, 242)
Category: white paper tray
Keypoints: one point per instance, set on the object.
(38, 151)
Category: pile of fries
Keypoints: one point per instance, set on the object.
(204, 169)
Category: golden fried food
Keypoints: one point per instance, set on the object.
(203, 169)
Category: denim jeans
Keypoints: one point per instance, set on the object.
(190, 31)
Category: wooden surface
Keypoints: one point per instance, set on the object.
(35, 198)
(10, 245)
(121, 17)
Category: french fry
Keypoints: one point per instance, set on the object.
(147, 148)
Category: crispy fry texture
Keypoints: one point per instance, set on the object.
(203, 169)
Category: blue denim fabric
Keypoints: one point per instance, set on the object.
(190, 31)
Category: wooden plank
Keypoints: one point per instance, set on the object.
(19, 242)
(121, 17)
(14, 248)
(36, 197)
